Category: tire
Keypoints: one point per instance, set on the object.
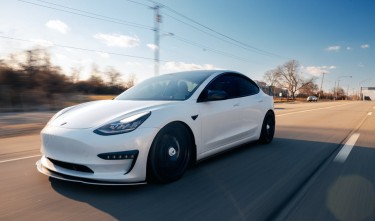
(268, 128)
(170, 154)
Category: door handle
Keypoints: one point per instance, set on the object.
(260, 101)
(236, 105)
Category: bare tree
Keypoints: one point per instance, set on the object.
(291, 77)
(309, 89)
(130, 81)
(272, 78)
(76, 72)
(113, 76)
(339, 93)
(95, 78)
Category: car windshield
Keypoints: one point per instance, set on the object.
(178, 86)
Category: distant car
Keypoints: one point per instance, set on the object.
(156, 128)
(312, 99)
(367, 98)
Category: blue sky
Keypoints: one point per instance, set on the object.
(332, 36)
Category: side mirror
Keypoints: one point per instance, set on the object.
(215, 95)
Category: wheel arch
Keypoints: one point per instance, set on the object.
(193, 157)
(270, 111)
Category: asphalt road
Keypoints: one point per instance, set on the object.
(320, 166)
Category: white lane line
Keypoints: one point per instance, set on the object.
(369, 113)
(345, 150)
(21, 158)
(296, 112)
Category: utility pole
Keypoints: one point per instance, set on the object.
(156, 37)
(321, 85)
(335, 92)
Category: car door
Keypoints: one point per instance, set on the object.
(220, 117)
(251, 108)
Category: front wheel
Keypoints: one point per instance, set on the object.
(268, 128)
(169, 155)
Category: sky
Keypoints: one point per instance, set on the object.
(335, 37)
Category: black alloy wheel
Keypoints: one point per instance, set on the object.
(268, 128)
(169, 155)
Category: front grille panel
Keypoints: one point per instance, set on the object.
(71, 166)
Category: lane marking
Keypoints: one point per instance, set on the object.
(369, 113)
(345, 150)
(21, 158)
(296, 112)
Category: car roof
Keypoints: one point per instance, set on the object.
(207, 72)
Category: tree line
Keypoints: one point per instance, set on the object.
(289, 77)
(29, 78)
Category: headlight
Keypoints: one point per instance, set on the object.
(123, 126)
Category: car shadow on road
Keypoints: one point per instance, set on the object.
(253, 182)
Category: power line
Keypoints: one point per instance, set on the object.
(254, 49)
(205, 32)
(211, 49)
(138, 3)
(122, 22)
(82, 49)
(87, 14)
(105, 18)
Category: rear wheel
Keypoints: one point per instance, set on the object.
(170, 153)
(268, 128)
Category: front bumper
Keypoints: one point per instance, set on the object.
(75, 155)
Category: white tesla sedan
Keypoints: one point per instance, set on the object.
(156, 129)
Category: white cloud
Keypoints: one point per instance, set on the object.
(318, 70)
(116, 40)
(152, 46)
(43, 43)
(348, 48)
(129, 63)
(57, 25)
(103, 54)
(333, 48)
(365, 46)
(181, 66)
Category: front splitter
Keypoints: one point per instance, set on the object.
(65, 177)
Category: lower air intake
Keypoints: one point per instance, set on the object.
(71, 166)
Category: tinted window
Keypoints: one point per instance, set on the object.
(234, 85)
(247, 87)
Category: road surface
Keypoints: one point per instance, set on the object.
(320, 166)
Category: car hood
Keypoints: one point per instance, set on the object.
(97, 113)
